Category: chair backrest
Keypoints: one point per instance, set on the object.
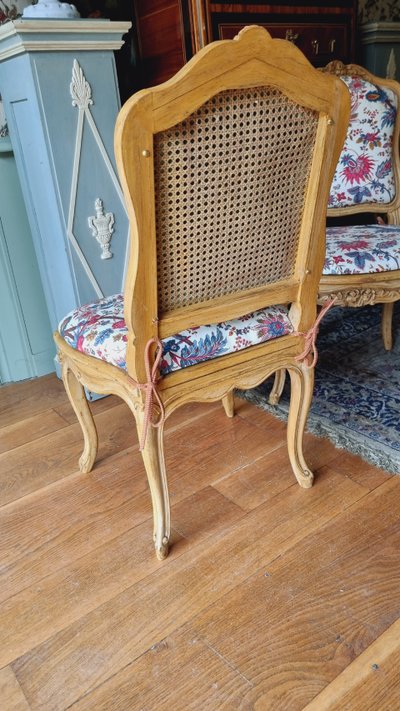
(367, 177)
(226, 171)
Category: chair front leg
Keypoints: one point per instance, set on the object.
(154, 462)
(77, 398)
(302, 385)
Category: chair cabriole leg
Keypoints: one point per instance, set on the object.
(302, 384)
(228, 402)
(277, 388)
(153, 459)
(387, 316)
(77, 398)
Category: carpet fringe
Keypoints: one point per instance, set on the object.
(339, 439)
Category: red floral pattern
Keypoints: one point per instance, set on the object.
(364, 173)
(99, 330)
(362, 249)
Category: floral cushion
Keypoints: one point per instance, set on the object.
(364, 173)
(99, 330)
(362, 249)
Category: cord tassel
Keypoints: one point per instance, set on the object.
(310, 337)
(150, 388)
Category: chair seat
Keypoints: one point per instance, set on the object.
(99, 330)
(362, 249)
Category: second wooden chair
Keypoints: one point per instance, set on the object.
(362, 261)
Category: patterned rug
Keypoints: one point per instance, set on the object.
(356, 400)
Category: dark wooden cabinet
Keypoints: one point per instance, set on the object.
(170, 31)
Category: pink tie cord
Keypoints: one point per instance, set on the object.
(150, 388)
(310, 337)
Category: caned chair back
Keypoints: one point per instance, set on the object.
(226, 220)
(224, 173)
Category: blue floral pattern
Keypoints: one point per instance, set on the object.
(364, 173)
(99, 330)
(362, 249)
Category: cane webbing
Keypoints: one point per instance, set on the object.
(230, 185)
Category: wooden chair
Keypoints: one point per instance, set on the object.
(226, 170)
(362, 263)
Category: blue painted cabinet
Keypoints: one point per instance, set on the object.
(60, 92)
(26, 344)
(381, 48)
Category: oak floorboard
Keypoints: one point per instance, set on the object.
(51, 528)
(29, 397)
(285, 631)
(367, 586)
(285, 647)
(271, 595)
(360, 471)
(181, 672)
(29, 429)
(371, 681)
(64, 409)
(93, 578)
(31, 616)
(287, 644)
(55, 601)
(38, 463)
(258, 481)
(370, 522)
(35, 464)
(356, 568)
(74, 514)
(213, 449)
(11, 695)
(204, 514)
(128, 624)
(318, 451)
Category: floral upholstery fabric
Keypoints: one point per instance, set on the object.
(99, 330)
(362, 249)
(364, 173)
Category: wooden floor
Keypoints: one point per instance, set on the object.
(273, 597)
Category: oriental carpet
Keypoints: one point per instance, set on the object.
(356, 401)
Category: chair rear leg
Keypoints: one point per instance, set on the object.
(228, 402)
(277, 388)
(77, 398)
(154, 462)
(302, 384)
(387, 331)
